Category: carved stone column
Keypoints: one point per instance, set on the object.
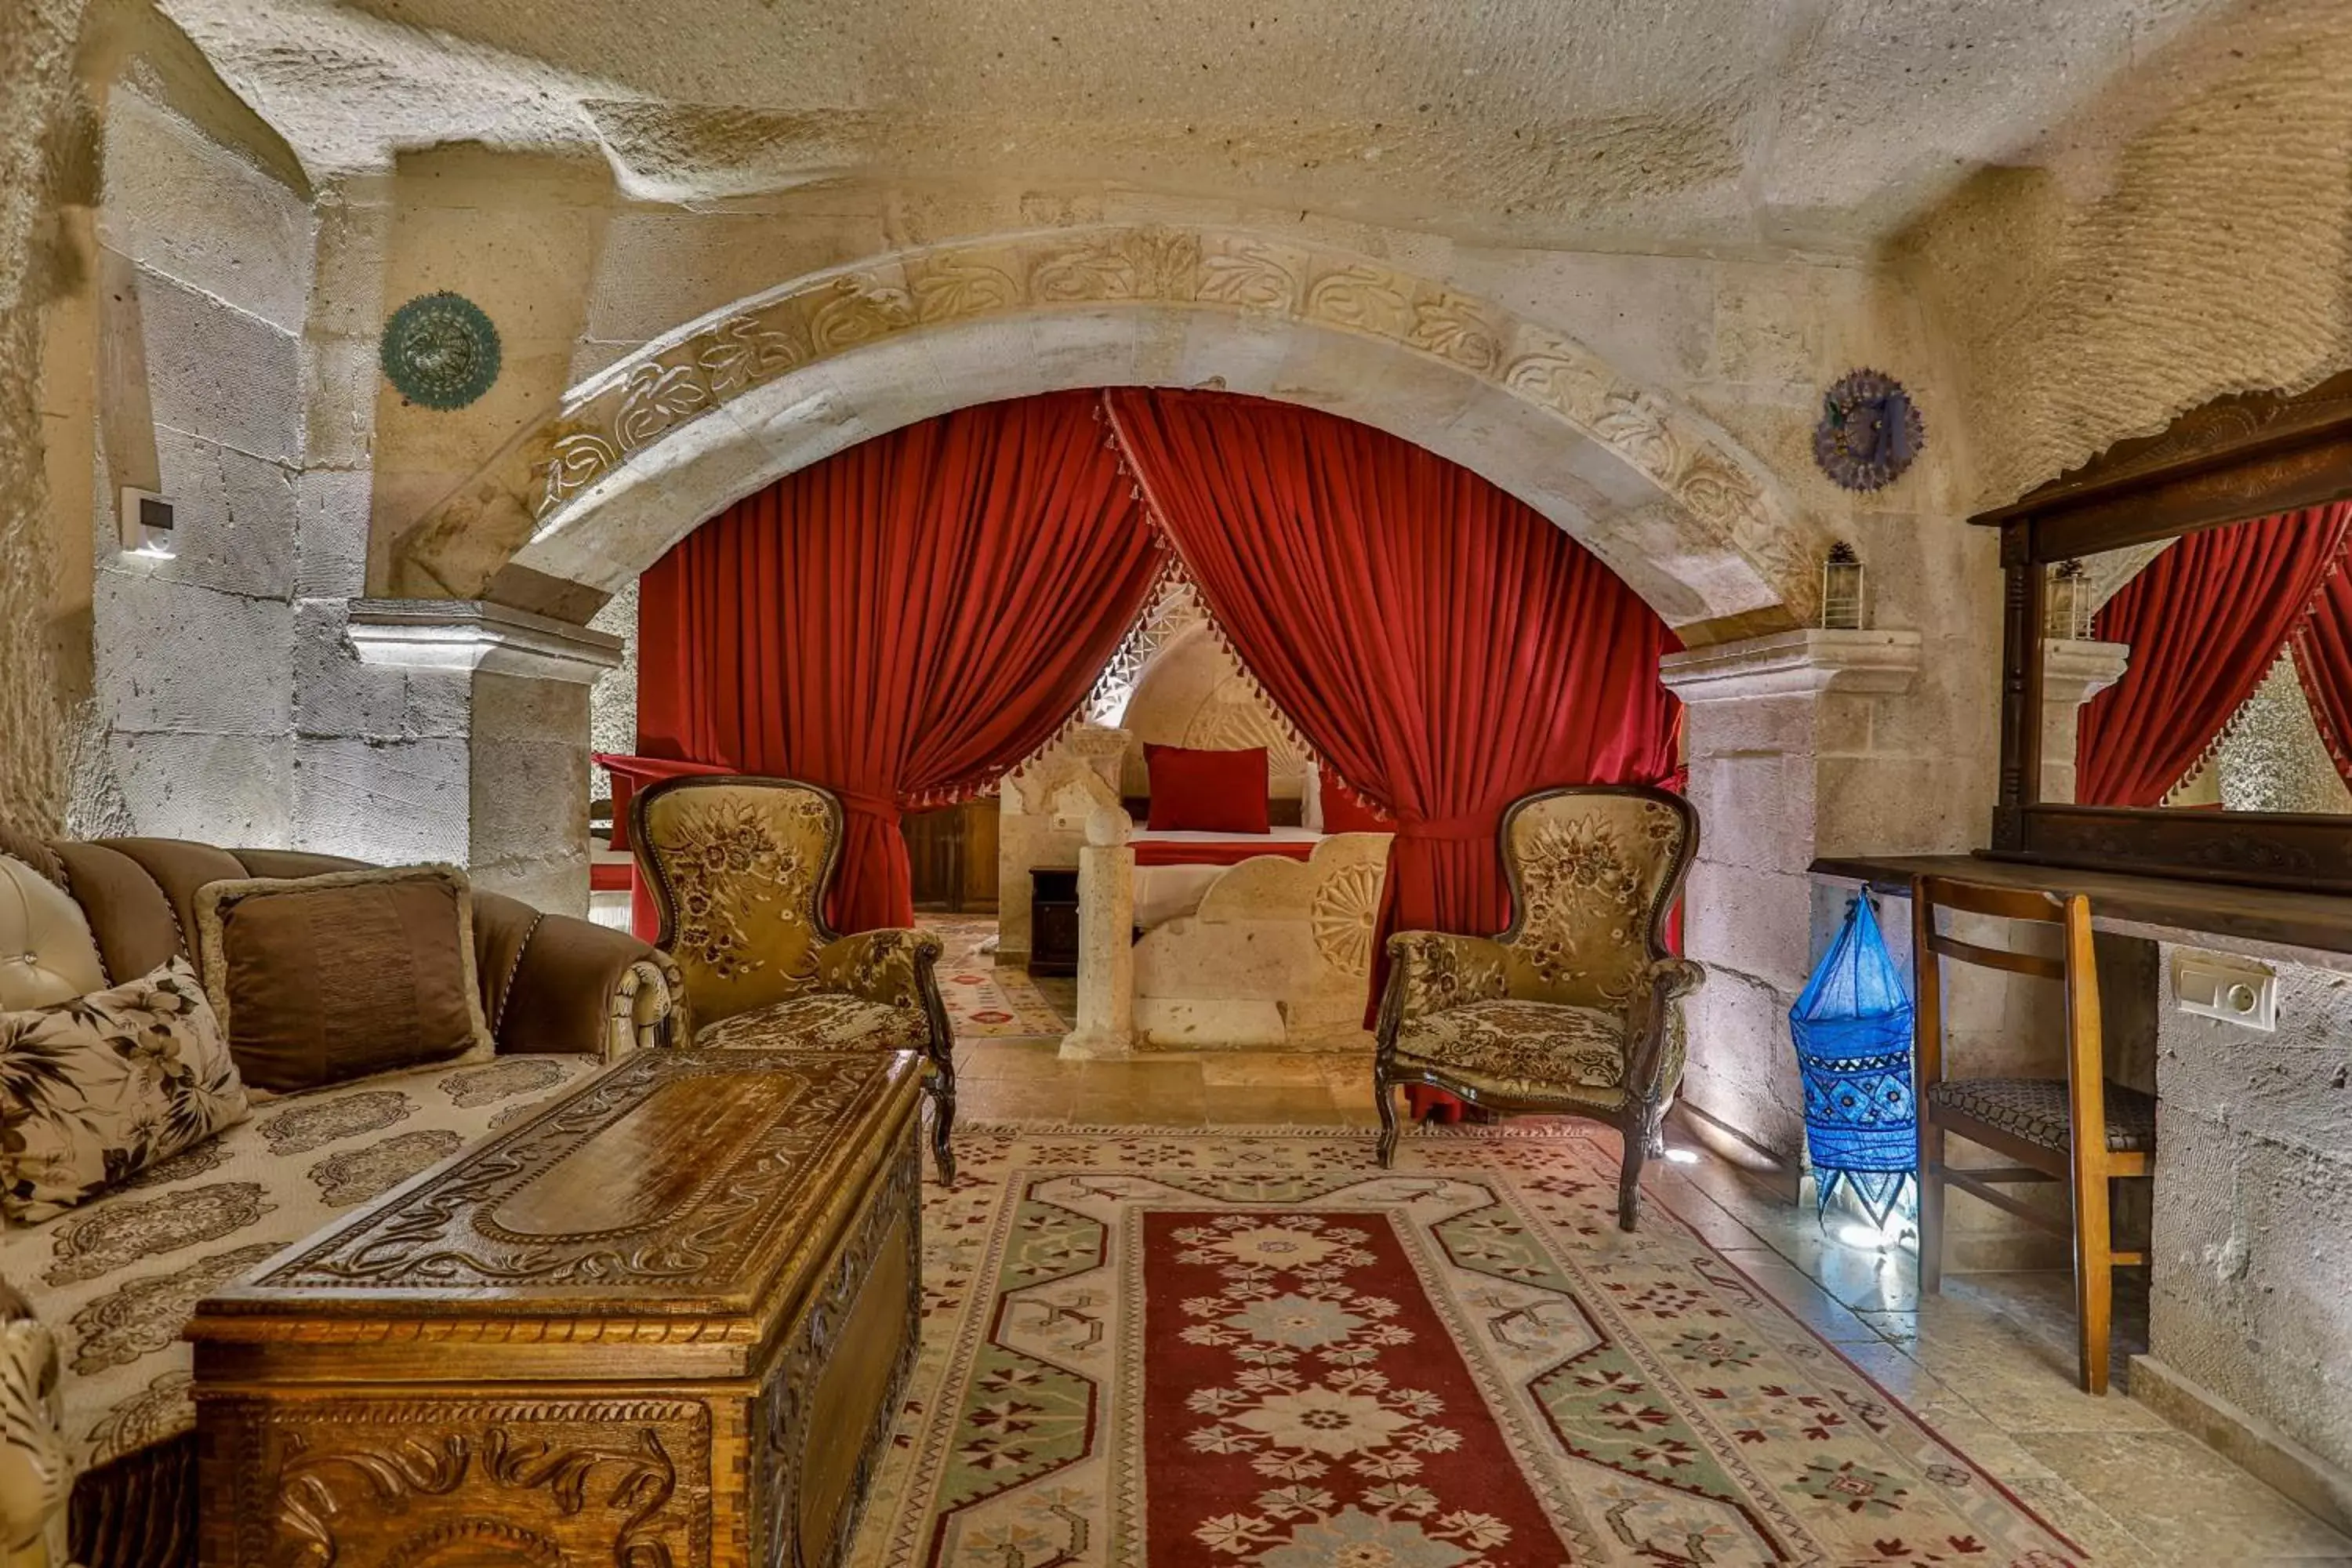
(1793, 754)
(1106, 940)
(500, 781)
(1103, 750)
(2073, 672)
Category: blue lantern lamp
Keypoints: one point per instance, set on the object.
(1853, 1031)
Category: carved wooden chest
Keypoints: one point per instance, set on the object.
(662, 1323)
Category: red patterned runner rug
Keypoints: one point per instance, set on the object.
(1303, 1370)
(1151, 1346)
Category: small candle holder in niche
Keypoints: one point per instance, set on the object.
(2070, 608)
(1842, 589)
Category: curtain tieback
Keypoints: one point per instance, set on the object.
(1477, 827)
(884, 806)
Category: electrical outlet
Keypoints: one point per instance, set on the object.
(147, 519)
(2235, 990)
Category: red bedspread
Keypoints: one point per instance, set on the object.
(1217, 852)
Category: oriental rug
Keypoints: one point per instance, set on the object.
(985, 1002)
(1179, 1347)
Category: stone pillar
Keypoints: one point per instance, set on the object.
(1106, 940)
(2073, 672)
(1102, 749)
(501, 785)
(1792, 756)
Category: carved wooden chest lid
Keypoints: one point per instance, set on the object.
(681, 1185)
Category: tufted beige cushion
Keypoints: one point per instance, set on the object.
(46, 953)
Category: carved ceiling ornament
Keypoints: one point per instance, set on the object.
(609, 422)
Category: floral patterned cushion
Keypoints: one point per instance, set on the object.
(116, 1279)
(879, 965)
(826, 1020)
(96, 1089)
(1528, 1050)
(2038, 1111)
(1588, 871)
(739, 868)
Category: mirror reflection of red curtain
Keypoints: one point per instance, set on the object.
(2323, 659)
(2205, 621)
(902, 623)
(1439, 643)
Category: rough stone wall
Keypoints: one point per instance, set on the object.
(2253, 1209)
(38, 153)
(202, 266)
(2189, 236)
(613, 701)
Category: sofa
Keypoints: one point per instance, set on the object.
(110, 1284)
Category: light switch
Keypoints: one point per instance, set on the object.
(2237, 990)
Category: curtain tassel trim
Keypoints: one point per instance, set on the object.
(1158, 522)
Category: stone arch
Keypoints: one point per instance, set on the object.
(640, 454)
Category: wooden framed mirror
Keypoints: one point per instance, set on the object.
(2270, 469)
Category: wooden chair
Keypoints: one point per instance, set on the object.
(2079, 1130)
(1575, 1009)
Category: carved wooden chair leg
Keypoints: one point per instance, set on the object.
(1384, 1097)
(1629, 1179)
(942, 1090)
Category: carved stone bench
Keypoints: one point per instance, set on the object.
(663, 1323)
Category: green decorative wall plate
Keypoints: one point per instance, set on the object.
(440, 351)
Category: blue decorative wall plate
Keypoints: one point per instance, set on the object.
(440, 351)
(1870, 431)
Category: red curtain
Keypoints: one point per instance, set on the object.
(901, 623)
(2323, 658)
(2205, 621)
(1444, 647)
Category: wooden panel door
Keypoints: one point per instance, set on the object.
(935, 847)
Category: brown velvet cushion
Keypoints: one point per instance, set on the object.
(319, 979)
(129, 915)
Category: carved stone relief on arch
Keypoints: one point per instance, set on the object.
(1726, 507)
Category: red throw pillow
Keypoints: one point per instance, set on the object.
(1207, 791)
(1342, 814)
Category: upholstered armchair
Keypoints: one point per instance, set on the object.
(1573, 1010)
(740, 868)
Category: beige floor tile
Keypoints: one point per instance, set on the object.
(1305, 1105)
(1245, 1069)
(2180, 1499)
(1865, 1279)
(1897, 1329)
(2103, 1541)
(1007, 1058)
(1695, 1208)
(1804, 1301)
(2018, 1380)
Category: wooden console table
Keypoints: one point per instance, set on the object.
(2318, 921)
(663, 1323)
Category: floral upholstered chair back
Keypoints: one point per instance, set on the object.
(1591, 872)
(740, 868)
